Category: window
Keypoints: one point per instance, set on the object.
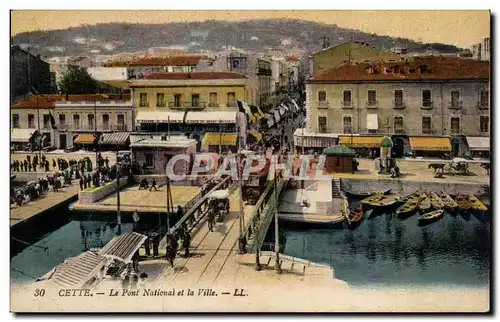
(90, 119)
(372, 98)
(31, 121)
(322, 96)
(120, 121)
(231, 99)
(143, 100)
(455, 125)
(177, 69)
(105, 121)
(426, 125)
(236, 63)
(398, 98)
(426, 98)
(322, 124)
(347, 98)
(455, 99)
(160, 100)
(62, 121)
(177, 100)
(15, 121)
(398, 124)
(213, 99)
(484, 122)
(484, 99)
(76, 121)
(46, 121)
(347, 121)
(149, 160)
(195, 100)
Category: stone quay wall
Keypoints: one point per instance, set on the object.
(90, 196)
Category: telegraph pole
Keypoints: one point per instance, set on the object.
(118, 212)
(276, 230)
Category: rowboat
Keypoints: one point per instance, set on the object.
(436, 201)
(430, 216)
(408, 207)
(424, 203)
(476, 204)
(366, 193)
(449, 203)
(462, 202)
(385, 201)
(371, 199)
(356, 215)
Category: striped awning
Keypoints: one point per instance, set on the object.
(226, 139)
(277, 116)
(296, 106)
(123, 247)
(430, 143)
(246, 108)
(256, 112)
(118, 138)
(85, 139)
(77, 271)
(478, 143)
(270, 120)
(282, 111)
(159, 117)
(226, 117)
(256, 135)
(21, 135)
(360, 141)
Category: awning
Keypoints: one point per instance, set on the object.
(430, 143)
(282, 111)
(123, 247)
(372, 121)
(360, 141)
(159, 117)
(118, 138)
(21, 135)
(277, 116)
(85, 139)
(77, 271)
(296, 106)
(226, 139)
(245, 108)
(228, 117)
(306, 139)
(478, 143)
(270, 121)
(256, 112)
(256, 134)
(260, 112)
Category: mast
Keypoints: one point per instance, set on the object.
(241, 249)
(168, 127)
(276, 230)
(118, 212)
(220, 137)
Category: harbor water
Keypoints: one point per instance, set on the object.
(388, 251)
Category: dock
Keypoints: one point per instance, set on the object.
(43, 205)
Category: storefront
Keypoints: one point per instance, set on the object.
(306, 142)
(85, 141)
(479, 146)
(339, 159)
(22, 137)
(365, 146)
(430, 146)
(223, 142)
(115, 141)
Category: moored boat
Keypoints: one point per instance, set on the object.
(371, 199)
(408, 207)
(366, 193)
(430, 216)
(385, 201)
(436, 201)
(462, 202)
(356, 215)
(476, 204)
(449, 203)
(424, 203)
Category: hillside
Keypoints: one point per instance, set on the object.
(212, 35)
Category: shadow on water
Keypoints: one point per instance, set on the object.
(387, 249)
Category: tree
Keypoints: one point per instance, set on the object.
(77, 81)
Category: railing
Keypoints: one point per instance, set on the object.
(456, 104)
(187, 105)
(323, 104)
(251, 228)
(213, 104)
(345, 104)
(483, 105)
(372, 104)
(398, 105)
(426, 105)
(399, 131)
(426, 131)
(143, 104)
(455, 131)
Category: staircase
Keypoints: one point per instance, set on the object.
(336, 192)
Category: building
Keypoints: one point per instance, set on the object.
(481, 51)
(421, 102)
(28, 74)
(187, 103)
(62, 119)
(349, 52)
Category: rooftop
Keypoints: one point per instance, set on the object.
(48, 101)
(197, 75)
(158, 61)
(416, 68)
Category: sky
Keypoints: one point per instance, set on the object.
(461, 28)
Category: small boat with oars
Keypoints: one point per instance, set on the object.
(356, 216)
(386, 201)
(476, 204)
(463, 206)
(409, 207)
(424, 203)
(364, 194)
(430, 217)
(449, 204)
(436, 201)
(371, 199)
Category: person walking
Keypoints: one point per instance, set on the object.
(186, 242)
(53, 163)
(81, 184)
(153, 185)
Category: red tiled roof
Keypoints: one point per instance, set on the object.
(160, 61)
(48, 101)
(198, 75)
(435, 68)
(292, 58)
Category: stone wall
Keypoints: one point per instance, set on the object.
(90, 196)
(407, 187)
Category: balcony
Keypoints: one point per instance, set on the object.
(483, 105)
(372, 104)
(346, 104)
(143, 104)
(399, 130)
(427, 105)
(455, 105)
(455, 131)
(347, 130)
(322, 129)
(398, 105)
(187, 106)
(426, 131)
(323, 104)
(213, 104)
(62, 126)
